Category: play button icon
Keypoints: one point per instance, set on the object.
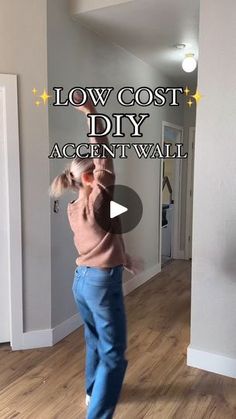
(118, 209)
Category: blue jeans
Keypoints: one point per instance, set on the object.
(99, 298)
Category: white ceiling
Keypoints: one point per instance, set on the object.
(149, 29)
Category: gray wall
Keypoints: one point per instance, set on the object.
(189, 121)
(213, 314)
(76, 56)
(23, 51)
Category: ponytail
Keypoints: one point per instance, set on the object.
(61, 183)
(70, 178)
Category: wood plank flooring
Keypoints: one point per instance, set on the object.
(48, 383)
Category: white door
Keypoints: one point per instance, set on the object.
(4, 230)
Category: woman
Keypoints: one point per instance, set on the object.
(97, 286)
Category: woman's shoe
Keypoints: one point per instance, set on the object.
(87, 399)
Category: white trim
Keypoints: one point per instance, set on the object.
(209, 361)
(8, 83)
(191, 142)
(63, 329)
(37, 339)
(49, 337)
(140, 279)
(175, 251)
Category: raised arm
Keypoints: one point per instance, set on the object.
(104, 169)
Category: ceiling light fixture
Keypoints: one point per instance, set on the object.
(189, 63)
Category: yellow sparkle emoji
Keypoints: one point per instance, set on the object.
(186, 90)
(45, 96)
(37, 103)
(197, 96)
(190, 102)
(34, 91)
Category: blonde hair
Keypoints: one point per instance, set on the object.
(71, 177)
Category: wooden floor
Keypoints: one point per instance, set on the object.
(48, 383)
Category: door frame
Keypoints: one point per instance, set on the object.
(189, 191)
(175, 248)
(8, 85)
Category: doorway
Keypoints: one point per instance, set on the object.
(170, 199)
(11, 313)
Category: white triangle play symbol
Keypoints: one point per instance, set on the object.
(116, 209)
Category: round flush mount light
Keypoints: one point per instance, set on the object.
(189, 63)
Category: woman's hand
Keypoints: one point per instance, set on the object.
(134, 265)
(87, 107)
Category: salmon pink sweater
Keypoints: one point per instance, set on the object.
(96, 247)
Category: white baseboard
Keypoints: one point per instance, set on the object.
(211, 362)
(65, 328)
(140, 279)
(36, 339)
(48, 337)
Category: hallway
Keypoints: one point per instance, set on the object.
(47, 383)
